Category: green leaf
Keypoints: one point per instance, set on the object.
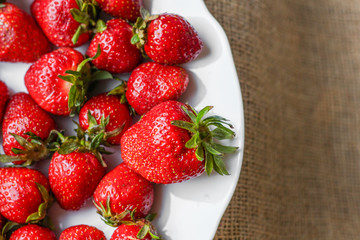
(101, 75)
(143, 231)
(96, 141)
(193, 142)
(72, 97)
(79, 16)
(67, 78)
(100, 26)
(135, 39)
(153, 235)
(22, 141)
(17, 150)
(190, 113)
(44, 192)
(202, 113)
(9, 159)
(69, 147)
(185, 125)
(144, 13)
(119, 90)
(91, 120)
(219, 166)
(150, 217)
(209, 148)
(224, 149)
(199, 153)
(222, 132)
(209, 163)
(9, 226)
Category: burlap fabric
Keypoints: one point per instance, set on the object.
(299, 67)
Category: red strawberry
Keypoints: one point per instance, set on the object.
(56, 20)
(128, 9)
(22, 117)
(82, 232)
(73, 178)
(167, 38)
(21, 40)
(106, 106)
(33, 232)
(60, 95)
(165, 146)
(4, 96)
(118, 55)
(22, 191)
(120, 191)
(127, 232)
(152, 83)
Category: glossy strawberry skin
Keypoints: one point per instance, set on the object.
(126, 232)
(82, 232)
(19, 194)
(4, 97)
(118, 55)
(21, 40)
(43, 83)
(127, 191)
(73, 178)
(23, 115)
(55, 19)
(156, 149)
(33, 232)
(152, 83)
(128, 9)
(107, 106)
(172, 40)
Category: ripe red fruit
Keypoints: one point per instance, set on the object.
(32, 232)
(21, 40)
(59, 80)
(82, 232)
(152, 83)
(118, 55)
(73, 178)
(106, 106)
(125, 232)
(167, 39)
(56, 20)
(171, 143)
(120, 191)
(22, 191)
(4, 97)
(128, 9)
(24, 116)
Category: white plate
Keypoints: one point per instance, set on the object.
(191, 210)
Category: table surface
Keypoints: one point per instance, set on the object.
(298, 64)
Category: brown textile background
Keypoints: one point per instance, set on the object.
(299, 67)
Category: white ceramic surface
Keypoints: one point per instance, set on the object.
(191, 210)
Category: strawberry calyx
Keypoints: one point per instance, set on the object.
(41, 213)
(82, 143)
(120, 90)
(81, 80)
(139, 37)
(8, 228)
(127, 217)
(98, 131)
(204, 133)
(34, 149)
(86, 15)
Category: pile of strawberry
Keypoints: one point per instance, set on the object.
(171, 143)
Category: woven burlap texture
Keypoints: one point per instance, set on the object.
(299, 69)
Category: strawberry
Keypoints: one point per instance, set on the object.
(26, 130)
(152, 83)
(118, 55)
(167, 38)
(32, 232)
(126, 232)
(108, 116)
(4, 97)
(65, 22)
(24, 195)
(21, 40)
(58, 81)
(171, 143)
(73, 178)
(128, 9)
(120, 191)
(82, 232)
